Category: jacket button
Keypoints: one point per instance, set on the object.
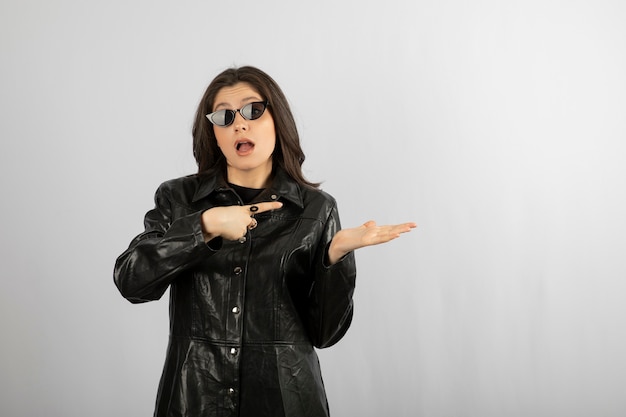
(236, 310)
(231, 391)
(238, 270)
(233, 351)
(242, 239)
(274, 197)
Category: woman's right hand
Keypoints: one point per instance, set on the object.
(232, 222)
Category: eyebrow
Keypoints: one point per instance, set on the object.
(245, 100)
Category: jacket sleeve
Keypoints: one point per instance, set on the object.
(167, 247)
(331, 304)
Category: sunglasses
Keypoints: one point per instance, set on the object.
(250, 111)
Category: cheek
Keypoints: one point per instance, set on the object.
(270, 132)
(218, 139)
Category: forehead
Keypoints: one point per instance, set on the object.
(235, 95)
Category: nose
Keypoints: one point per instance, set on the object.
(240, 123)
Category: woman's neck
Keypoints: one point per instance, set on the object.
(249, 179)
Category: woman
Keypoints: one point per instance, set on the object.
(258, 269)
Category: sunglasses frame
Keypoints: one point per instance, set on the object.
(234, 113)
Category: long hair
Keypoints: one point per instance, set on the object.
(287, 154)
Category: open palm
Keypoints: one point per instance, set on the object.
(368, 234)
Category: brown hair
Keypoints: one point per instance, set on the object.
(287, 154)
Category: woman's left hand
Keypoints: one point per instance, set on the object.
(368, 234)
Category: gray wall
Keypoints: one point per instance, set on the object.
(498, 126)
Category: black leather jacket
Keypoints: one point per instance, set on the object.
(244, 317)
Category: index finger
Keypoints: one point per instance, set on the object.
(265, 206)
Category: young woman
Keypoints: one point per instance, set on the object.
(258, 267)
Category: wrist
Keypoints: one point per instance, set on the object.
(205, 225)
(335, 253)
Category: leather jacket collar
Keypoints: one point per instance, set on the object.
(283, 186)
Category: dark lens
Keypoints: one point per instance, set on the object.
(253, 111)
(222, 117)
(229, 117)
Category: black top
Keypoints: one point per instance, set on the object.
(246, 194)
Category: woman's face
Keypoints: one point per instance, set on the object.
(248, 145)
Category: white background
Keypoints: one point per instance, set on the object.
(499, 127)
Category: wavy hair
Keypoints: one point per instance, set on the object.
(287, 154)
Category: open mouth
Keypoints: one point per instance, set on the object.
(244, 146)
